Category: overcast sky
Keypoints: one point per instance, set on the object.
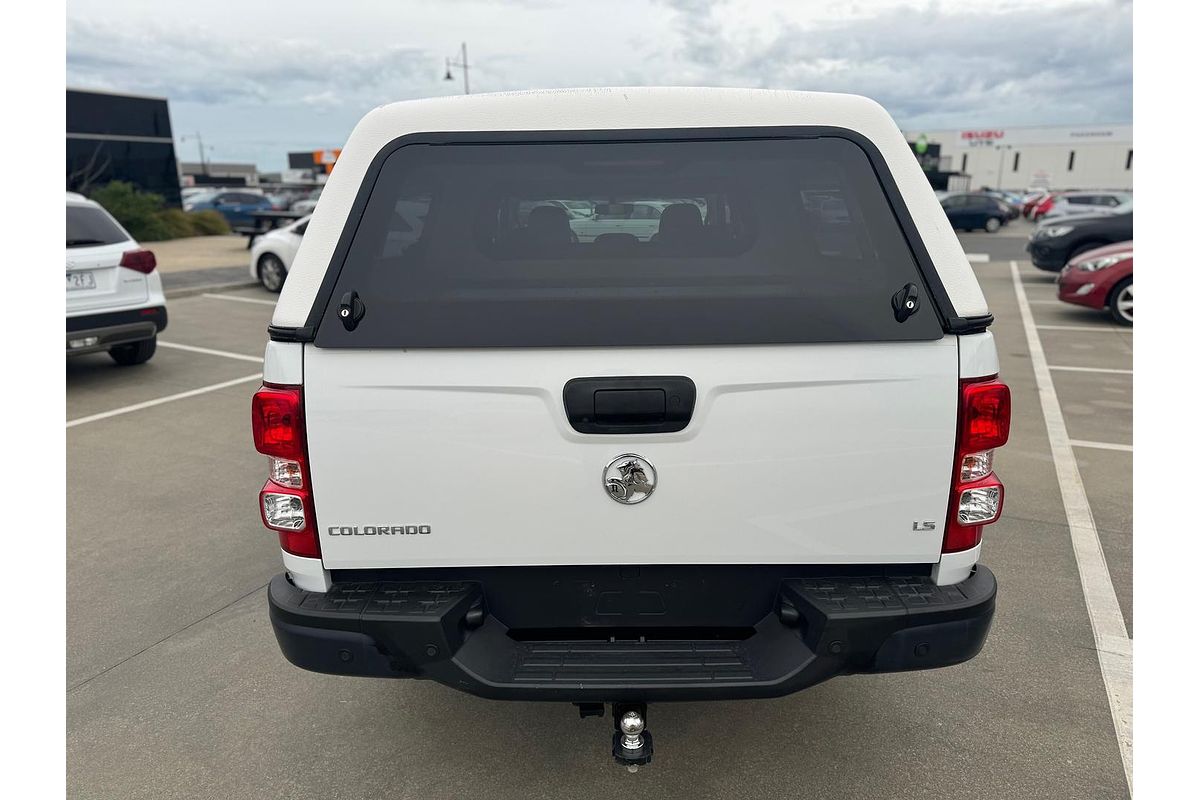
(258, 79)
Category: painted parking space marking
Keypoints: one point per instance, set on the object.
(1089, 328)
(159, 401)
(210, 352)
(1102, 370)
(1125, 448)
(978, 258)
(1114, 647)
(235, 299)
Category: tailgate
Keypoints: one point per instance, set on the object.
(95, 279)
(794, 454)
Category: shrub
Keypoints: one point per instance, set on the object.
(207, 223)
(177, 223)
(137, 211)
(142, 214)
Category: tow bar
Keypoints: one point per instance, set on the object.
(632, 745)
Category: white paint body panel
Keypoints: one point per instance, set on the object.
(307, 573)
(977, 355)
(622, 109)
(817, 454)
(956, 567)
(283, 363)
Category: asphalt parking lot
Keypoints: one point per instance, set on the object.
(176, 687)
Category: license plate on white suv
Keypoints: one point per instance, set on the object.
(80, 280)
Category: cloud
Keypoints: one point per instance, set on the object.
(277, 80)
(200, 66)
(932, 65)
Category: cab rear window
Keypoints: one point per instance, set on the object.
(626, 244)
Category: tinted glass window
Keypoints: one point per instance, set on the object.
(91, 227)
(526, 245)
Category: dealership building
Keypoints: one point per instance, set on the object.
(1068, 157)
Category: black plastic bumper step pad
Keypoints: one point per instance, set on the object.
(644, 662)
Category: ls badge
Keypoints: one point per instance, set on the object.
(629, 479)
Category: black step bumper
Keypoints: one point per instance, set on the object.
(818, 628)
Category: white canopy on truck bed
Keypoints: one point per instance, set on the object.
(623, 109)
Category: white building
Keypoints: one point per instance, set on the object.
(1074, 157)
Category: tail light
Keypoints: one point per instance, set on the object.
(977, 496)
(285, 502)
(140, 260)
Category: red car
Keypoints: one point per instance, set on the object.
(1042, 206)
(1101, 278)
(1031, 201)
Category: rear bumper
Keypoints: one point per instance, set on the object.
(817, 628)
(1047, 254)
(113, 328)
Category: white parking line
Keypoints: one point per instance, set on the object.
(1091, 369)
(206, 351)
(1089, 328)
(1125, 448)
(1044, 302)
(168, 399)
(1114, 648)
(978, 258)
(239, 299)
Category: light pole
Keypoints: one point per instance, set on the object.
(200, 146)
(463, 64)
(1000, 171)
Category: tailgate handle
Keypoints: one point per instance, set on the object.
(661, 404)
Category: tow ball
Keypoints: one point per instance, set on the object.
(632, 743)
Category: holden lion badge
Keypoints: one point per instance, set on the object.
(629, 479)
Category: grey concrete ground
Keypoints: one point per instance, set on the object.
(176, 687)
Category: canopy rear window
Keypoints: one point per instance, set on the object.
(695, 242)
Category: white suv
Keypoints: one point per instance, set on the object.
(114, 296)
(748, 453)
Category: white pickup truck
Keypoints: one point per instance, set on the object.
(746, 454)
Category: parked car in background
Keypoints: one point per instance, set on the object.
(1040, 207)
(970, 212)
(189, 192)
(1101, 278)
(1075, 204)
(1031, 200)
(1057, 242)
(1011, 203)
(305, 205)
(271, 254)
(115, 298)
(236, 206)
(1062, 204)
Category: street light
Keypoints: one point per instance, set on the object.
(463, 64)
(1000, 170)
(200, 146)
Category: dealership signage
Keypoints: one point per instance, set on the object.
(1020, 137)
